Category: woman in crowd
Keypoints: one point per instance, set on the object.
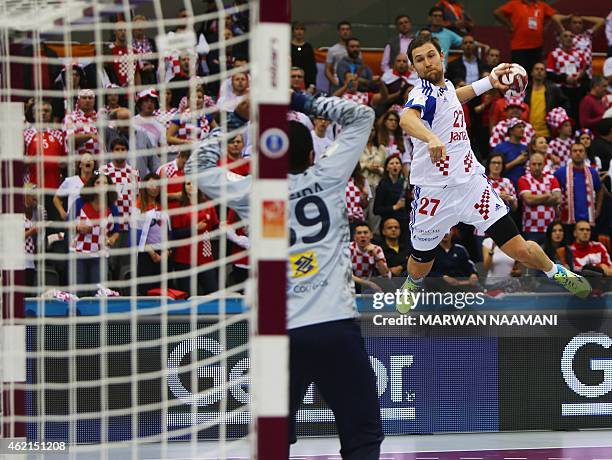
(358, 195)
(166, 111)
(234, 160)
(585, 137)
(556, 247)
(390, 135)
(539, 144)
(70, 188)
(196, 213)
(153, 229)
(391, 195)
(96, 231)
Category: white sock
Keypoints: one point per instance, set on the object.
(415, 280)
(552, 271)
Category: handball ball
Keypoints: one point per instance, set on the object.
(516, 79)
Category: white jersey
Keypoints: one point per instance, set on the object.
(319, 279)
(442, 113)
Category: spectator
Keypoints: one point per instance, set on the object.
(542, 96)
(114, 99)
(551, 161)
(541, 194)
(555, 245)
(390, 135)
(302, 54)
(501, 131)
(80, 125)
(166, 111)
(353, 63)
(349, 91)
(368, 259)
(126, 66)
(390, 196)
(373, 159)
(146, 49)
(395, 246)
(562, 125)
(398, 43)
(514, 151)
(202, 47)
(526, 20)
(199, 216)
(583, 39)
(446, 37)
(358, 195)
(585, 137)
(581, 187)
(492, 59)
(320, 141)
(468, 67)
(455, 17)
(153, 226)
(592, 106)
(567, 66)
(33, 215)
(70, 188)
(508, 107)
(45, 149)
(172, 175)
(298, 81)
(452, 263)
(179, 82)
(229, 100)
(96, 232)
(234, 160)
(587, 254)
(239, 237)
(399, 80)
(499, 267)
(189, 126)
(146, 103)
(336, 53)
(126, 180)
(70, 81)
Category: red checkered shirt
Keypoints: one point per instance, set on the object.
(78, 123)
(126, 179)
(46, 147)
(584, 42)
(174, 177)
(165, 116)
(561, 148)
(94, 242)
(353, 201)
(591, 253)
(500, 134)
(359, 97)
(364, 264)
(570, 64)
(194, 127)
(537, 218)
(125, 68)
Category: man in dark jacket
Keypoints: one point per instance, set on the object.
(468, 67)
(542, 96)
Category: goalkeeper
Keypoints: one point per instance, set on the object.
(326, 346)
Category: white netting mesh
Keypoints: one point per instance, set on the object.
(115, 96)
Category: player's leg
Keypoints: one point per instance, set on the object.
(431, 217)
(347, 383)
(487, 211)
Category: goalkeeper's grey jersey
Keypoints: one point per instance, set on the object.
(320, 286)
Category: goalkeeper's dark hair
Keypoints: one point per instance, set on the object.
(421, 40)
(300, 147)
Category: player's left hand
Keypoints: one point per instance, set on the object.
(497, 73)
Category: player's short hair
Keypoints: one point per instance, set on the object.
(421, 40)
(343, 23)
(300, 146)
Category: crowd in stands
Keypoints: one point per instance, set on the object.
(547, 153)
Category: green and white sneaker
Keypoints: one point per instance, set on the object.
(406, 304)
(576, 284)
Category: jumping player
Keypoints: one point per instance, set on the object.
(449, 183)
(325, 340)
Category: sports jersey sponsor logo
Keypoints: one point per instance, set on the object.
(302, 288)
(459, 136)
(304, 264)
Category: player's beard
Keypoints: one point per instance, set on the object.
(434, 76)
